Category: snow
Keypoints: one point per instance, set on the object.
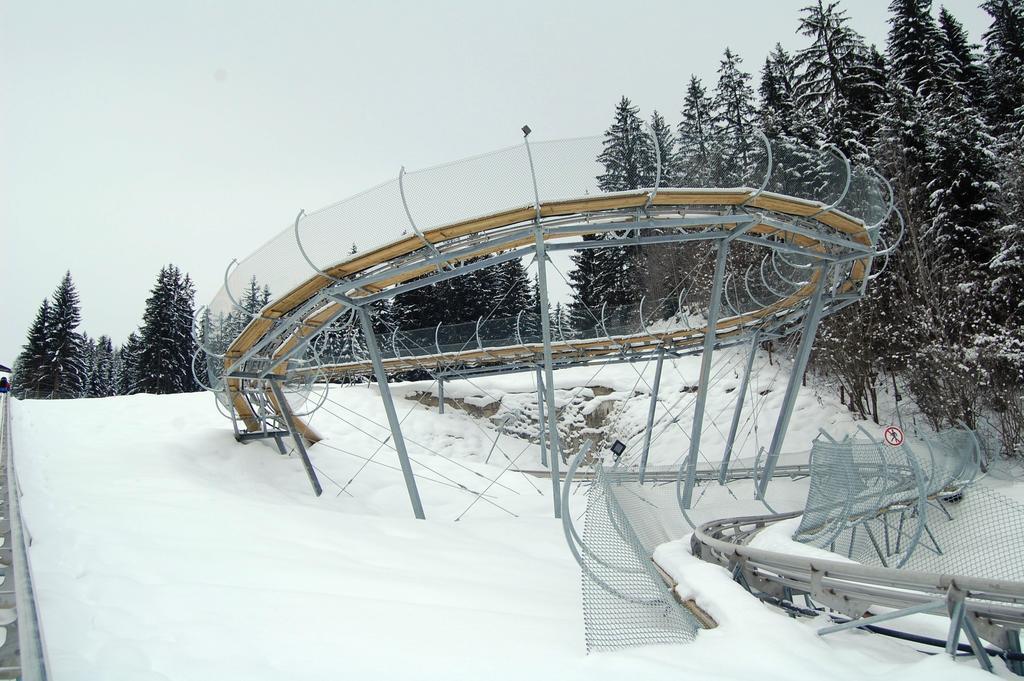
(163, 549)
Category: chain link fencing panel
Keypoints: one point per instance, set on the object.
(625, 600)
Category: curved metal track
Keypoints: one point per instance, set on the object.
(837, 244)
(992, 609)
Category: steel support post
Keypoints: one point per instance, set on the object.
(280, 445)
(540, 419)
(440, 395)
(723, 472)
(793, 388)
(289, 419)
(389, 409)
(541, 257)
(549, 378)
(650, 413)
(714, 306)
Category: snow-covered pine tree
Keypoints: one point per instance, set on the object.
(1004, 62)
(418, 308)
(697, 160)
(619, 272)
(128, 360)
(628, 154)
(88, 363)
(64, 344)
(32, 373)
(914, 46)
(184, 321)
(101, 374)
(163, 364)
(514, 289)
(733, 107)
(962, 175)
(778, 113)
(796, 167)
(838, 83)
(966, 68)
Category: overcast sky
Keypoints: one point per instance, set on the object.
(136, 134)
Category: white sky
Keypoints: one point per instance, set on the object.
(137, 134)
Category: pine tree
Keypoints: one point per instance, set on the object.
(64, 344)
(513, 289)
(778, 111)
(164, 360)
(32, 375)
(966, 70)
(962, 174)
(1008, 264)
(101, 373)
(915, 43)
(1004, 61)
(184, 323)
(253, 297)
(796, 165)
(734, 115)
(128, 361)
(697, 159)
(838, 83)
(590, 285)
(616, 274)
(628, 155)
(89, 364)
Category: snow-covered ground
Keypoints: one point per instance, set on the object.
(163, 549)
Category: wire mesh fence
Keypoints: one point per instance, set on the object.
(878, 504)
(502, 181)
(625, 601)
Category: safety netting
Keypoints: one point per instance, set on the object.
(912, 505)
(626, 602)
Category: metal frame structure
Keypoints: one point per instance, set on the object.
(825, 253)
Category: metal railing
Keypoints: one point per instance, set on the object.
(23, 653)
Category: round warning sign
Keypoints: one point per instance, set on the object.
(893, 436)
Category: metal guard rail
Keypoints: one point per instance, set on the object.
(23, 653)
(991, 607)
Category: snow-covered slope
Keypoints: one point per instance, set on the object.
(165, 550)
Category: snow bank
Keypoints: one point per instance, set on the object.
(165, 550)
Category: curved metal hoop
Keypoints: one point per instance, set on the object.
(846, 188)
(746, 286)
(727, 299)
(808, 266)
(892, 198)
(220, 407)
(768, 169)
(302, 250)
(195, 376)
(781, 275)
(573, 539)
(231, 296)
(412, 223)
(437, 338)
(764, 281)
(903, 229)
(657, 161)
(195, 323)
